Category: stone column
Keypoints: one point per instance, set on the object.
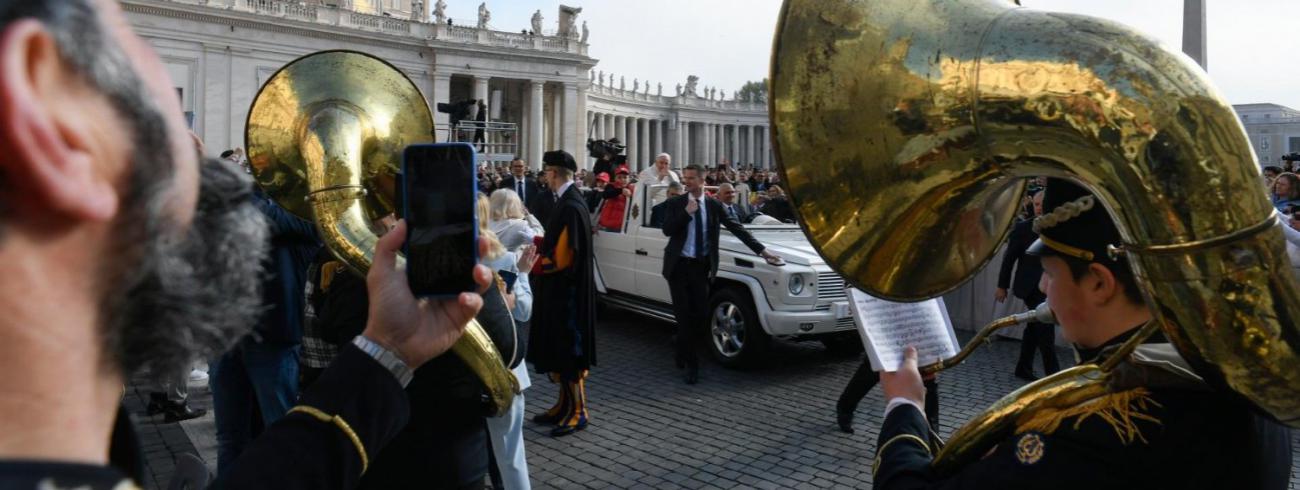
(620, 129)
(535, 122)
(767, 147)
(441, 95)
(573, 122)
(652, 137)
(749, 145)
(686, 150)
(481, 94)
(643, 151)
(663, 140)
(710, 144)
(609, 126)
(633, 141)
(580, 151)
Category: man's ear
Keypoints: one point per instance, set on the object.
(48, 136)
(1101, 284)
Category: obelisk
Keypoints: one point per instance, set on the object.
(1194, 31)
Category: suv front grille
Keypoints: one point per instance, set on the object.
(830, 288)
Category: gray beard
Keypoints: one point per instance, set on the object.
(190, 293)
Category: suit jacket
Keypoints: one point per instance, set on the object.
(743, 213)
(533, 191)
(1159, 430)
(677, 221)
(1028, 269)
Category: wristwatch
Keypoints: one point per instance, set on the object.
(385, 358)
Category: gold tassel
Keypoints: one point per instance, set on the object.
(1121, 411)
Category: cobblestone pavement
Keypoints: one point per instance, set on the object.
(768, 427)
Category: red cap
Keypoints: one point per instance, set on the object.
(603, 177)
(622, 170)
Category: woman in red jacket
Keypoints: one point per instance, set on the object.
(616, 197)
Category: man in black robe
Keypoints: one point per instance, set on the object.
(562, 342)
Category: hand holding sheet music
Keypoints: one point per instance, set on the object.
(888, 328)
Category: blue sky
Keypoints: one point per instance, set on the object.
(1254, 45)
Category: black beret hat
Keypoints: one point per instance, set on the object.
(1074, 223)
(560, 158)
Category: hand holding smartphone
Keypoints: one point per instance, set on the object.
(439, 203)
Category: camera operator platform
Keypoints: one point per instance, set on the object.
(494, 141)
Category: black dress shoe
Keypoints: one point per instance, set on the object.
(845, 419)
(567, 429)
(177, 412)
(1026, 375)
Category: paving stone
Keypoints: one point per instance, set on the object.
(768, 427)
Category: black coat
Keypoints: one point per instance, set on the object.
(677, 221)
(545, 202)
(532, 190)
(562, 336)
(299, 451)
(1181, 435)
(1028, 269)
(293, 247)
(779, 208)
(445, 443)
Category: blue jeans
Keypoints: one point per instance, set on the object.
(251, 376)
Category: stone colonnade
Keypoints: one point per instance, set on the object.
(698, 142)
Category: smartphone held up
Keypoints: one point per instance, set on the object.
(439, 195)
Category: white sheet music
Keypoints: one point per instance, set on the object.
(887, 329)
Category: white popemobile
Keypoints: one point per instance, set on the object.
(752, 301)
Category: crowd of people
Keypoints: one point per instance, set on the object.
(126, 249)
(608, 194)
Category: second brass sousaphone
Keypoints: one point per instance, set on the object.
(904, 130)
(325, 137)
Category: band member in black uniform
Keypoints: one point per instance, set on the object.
(1037, 336)
(692, 222)
(124, 251)
(562, 342)
(1161, 426)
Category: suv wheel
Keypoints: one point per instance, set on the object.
(736, 338)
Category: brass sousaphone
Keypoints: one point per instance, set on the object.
(325, 137)
(906, 128)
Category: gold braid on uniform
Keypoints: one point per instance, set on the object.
(901, 437)
(1121, 411)
(342, 425)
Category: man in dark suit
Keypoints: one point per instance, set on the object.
(527, 187)
(657, 211)
(1041, 336)
(738, 211)
(1156, 424)
(692, 222)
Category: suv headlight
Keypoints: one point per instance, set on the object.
(796, 284)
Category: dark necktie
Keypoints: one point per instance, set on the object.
(731, 211)
(520, 185)
(699, 230)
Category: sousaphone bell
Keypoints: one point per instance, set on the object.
(325, 137)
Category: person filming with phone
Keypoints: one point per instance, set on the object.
(691, 223)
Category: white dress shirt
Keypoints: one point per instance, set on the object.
(688, 250)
